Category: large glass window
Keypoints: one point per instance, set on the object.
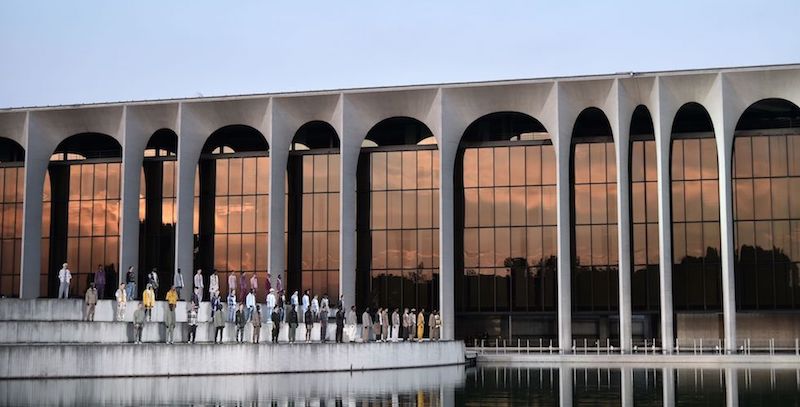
(644, 220)
(12, 191)
(399, 216)
(766, 193)
(695, 224)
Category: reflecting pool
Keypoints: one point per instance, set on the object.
(485, 385)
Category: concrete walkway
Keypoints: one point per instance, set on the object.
(639, 360)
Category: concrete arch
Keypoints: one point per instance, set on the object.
(391, 124)
(11, 150)
(318, 125)
(530, 122)
(250, 139)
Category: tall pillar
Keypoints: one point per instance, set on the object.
(190, 143)
(668, 385)
(626, 387)
(134, 142)
(279, 156)
(565, 385)
(731, 387)
(37, 158)
(622, 147)
(347, 213)
(662, 128)
(564, 272)
(724, 155)
(447, 157)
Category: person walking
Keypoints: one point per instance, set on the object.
(411, 324)
(395, 327)
(271, 302)
(420, 324)
(172, 297)
(279, 284)
(215, 303)
(323, 320)
(352, 321)
(64, 278)
(138, 323)
(291, 319)
(253, 282)
(198, 285)
(178, 283)
(219, 324)
(268, 283)
(437, 326)
(366, 325)
(432, 325)
(276, 324)
(152, 279)
(339, 325)
(250, 304)
(305, 304)
(213, 286)
(256, 321)
(315, 308)
(169, 318)
(385, 325)
(241, 320)
(309, 318)
(191, 319)
(231, 282)
(232, 306)
(122, 300)
(90, 299)
(378, 324)
(130, 283)
(149, 301)
(100, 281)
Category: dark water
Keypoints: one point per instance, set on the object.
(518, 385)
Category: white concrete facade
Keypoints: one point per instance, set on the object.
(447, 110)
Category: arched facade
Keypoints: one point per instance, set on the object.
(398, 217)
(12, 192)
(505, 221)
(766, 195)
(231, 219)
(313, 210)
(80, 216)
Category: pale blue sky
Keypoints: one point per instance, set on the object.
(65, 52)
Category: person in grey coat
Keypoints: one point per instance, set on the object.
(169, 323)
(291, 319)
(138, 323)
(323, 319)
(219, 324)
(366, 325)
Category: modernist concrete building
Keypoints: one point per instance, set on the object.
(623, 207)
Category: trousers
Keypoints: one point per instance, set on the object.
(63, 290)
(90, 312)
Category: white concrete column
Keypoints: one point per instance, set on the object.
(622, 151)
(662, 125)
(724, 159)
(37, 158)
(565, 386)
(731, 387)
(626, 387)
(564, 273)
(134, 142)
(347, 212)
(447, 159)
(279, 156)
(190, 144)
(668, 385)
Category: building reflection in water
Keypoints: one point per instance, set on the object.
(444, 386)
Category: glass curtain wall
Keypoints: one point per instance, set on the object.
(645, 300)
(233, 211)
(766, 192)
(83, 199)
(697, 268)
(12, 192)
(313, 211)
(506, 229)
(398, 217)
(595, 271)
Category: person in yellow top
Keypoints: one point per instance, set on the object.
(172, 296)
(420, 324)
(149, 301)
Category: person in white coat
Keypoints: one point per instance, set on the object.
(305, 305)
(315, 308)
(213, 284)
(294, 301)
(64, 278)
(271, 300)
(351, 320)
(198, 285)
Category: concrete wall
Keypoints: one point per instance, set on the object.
(230, 390)
(74, 361)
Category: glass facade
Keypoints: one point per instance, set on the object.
(766, 192)
(595, 273)
(644, 220)
(404, 227)
(315, 199)
(12, 192)
(696, 270)
(157, 217)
